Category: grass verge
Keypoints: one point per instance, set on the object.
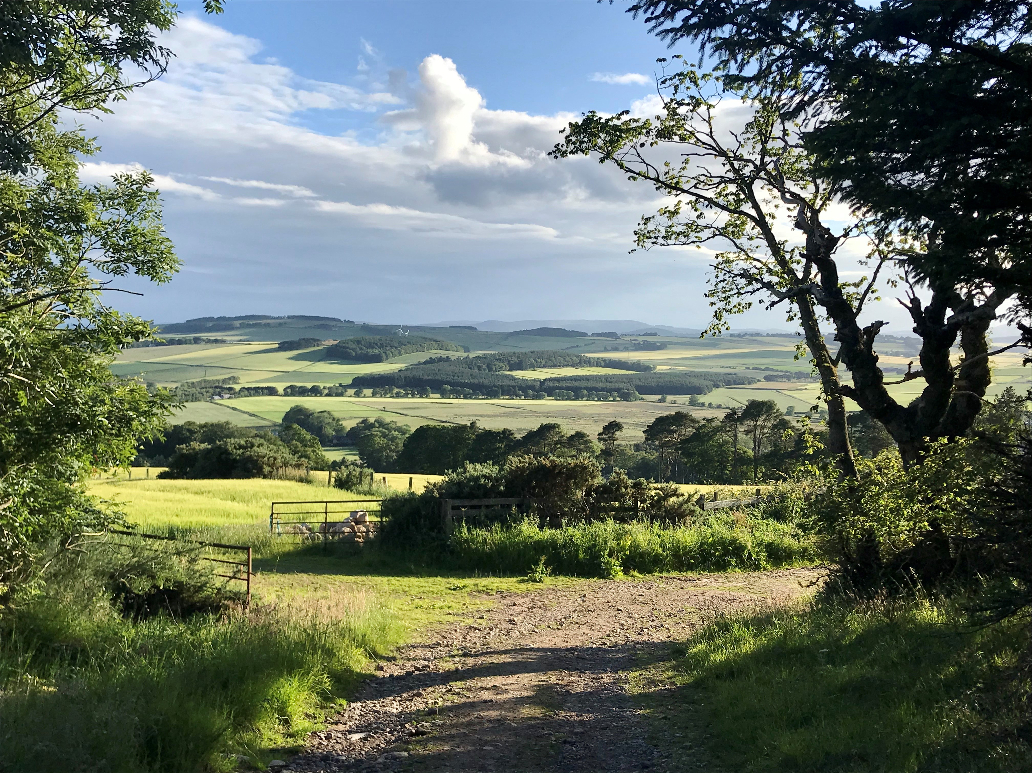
(609, 549)
(84, 687)
(845, 689)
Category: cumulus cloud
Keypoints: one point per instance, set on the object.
(626, 79)
(427, 198)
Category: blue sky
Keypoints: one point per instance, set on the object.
(387, 161)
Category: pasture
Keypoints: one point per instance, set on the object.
(159, 504)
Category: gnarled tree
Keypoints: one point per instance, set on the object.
(744, 186)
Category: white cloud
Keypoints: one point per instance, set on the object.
(291, 190)
(627, 79)
(396, 218)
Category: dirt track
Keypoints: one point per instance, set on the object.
(537, 683)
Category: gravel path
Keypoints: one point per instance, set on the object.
(536, 683)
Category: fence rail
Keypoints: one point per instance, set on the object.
(721, 504)
(246, 565)
(356, 526)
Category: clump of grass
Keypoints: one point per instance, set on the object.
(609, 549)
(85, 687)
(872, 688)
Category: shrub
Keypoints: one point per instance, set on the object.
(253, 457)
(896, 529)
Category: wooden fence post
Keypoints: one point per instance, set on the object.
(701, 502)
(250, 557)
(410, 483)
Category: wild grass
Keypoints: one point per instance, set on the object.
(609, 549)
(901, 688)
(83, 688)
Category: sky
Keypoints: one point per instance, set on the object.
(386, 161)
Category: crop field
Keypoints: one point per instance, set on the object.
(152, 503)
(261, 363)
(253, 363)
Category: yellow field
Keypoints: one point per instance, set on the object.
(157, 503)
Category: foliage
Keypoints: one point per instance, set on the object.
(896, 528)
(62, 413)
(204, 389)
(73, 57)
(353, 477)
(610, 549)
(956, 174)
(379, 442)
(156, 451)
(383, 348)
(323, 424)
(84, 687)
(257, 456)
(1004, 531)
(842, 688)
(305, 446)
(298, 343)
(868, 436)
(437, 448)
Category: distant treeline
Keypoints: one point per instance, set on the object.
(204, 389)
(177, 342)
(298, 343)
(383, 348)
(213, 324)
(486, 374)
(550, 332)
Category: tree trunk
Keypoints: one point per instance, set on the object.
(838, 430)
(952, 397)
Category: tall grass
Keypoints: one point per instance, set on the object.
(609, 549)
(82, 688)
(874, 688)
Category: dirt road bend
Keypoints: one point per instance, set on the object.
(538, 682)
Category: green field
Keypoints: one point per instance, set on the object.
(152, 503)
(256, 362)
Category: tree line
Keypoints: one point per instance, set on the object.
(487, 374)
(384, 348)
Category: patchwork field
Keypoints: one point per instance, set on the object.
(261, 363)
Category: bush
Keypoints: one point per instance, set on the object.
(254, 457)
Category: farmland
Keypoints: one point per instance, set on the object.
(260, 363)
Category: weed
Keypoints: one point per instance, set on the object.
(539, 572)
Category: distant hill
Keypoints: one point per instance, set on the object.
(550, 332)
(222, 324)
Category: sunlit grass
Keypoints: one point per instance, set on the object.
(840, 688)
